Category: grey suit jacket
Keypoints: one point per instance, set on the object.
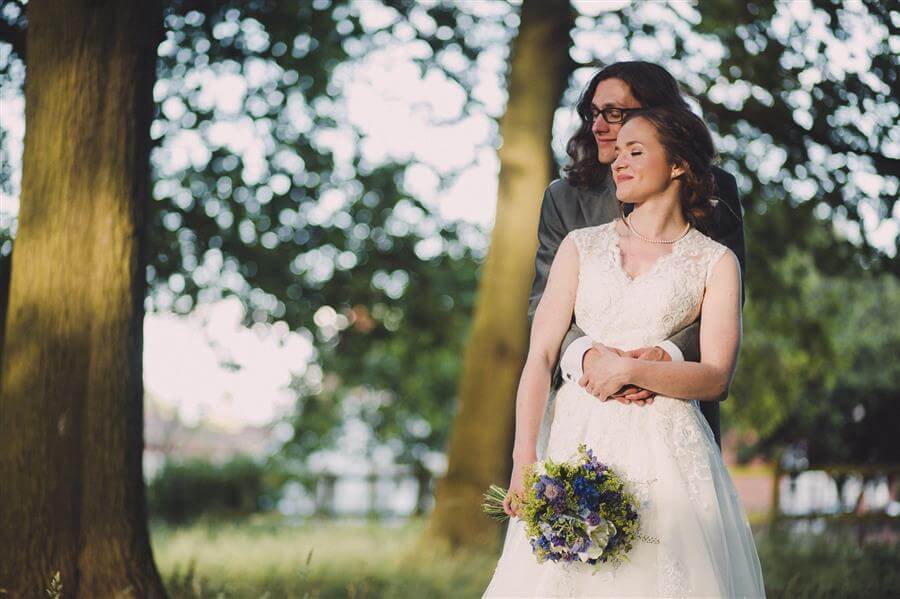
(566, 207)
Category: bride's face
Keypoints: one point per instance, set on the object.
(641, 168)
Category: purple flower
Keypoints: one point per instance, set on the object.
(611, 497)
(552, 491)
(547, 487)
(581, 545)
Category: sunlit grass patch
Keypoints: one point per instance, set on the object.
(324, 559)
(272, 558)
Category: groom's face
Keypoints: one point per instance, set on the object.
(610, 93)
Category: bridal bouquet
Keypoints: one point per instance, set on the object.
(574, 510)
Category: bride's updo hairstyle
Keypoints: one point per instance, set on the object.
(688, 144)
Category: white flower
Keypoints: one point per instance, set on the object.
(599, 536)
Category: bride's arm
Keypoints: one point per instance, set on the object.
(550, 324)
(720, 337)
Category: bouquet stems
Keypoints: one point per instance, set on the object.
(493, 503)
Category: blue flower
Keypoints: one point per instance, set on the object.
(586, 492)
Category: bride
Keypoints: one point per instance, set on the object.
(633, 283)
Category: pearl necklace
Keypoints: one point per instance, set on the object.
(649, 240)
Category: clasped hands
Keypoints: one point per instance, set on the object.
(606, 373)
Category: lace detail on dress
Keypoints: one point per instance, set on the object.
(640, 489)
(713, 260)
(566, 579)
(684, 436)
(672, 578)
(616, 310)
(624, 312)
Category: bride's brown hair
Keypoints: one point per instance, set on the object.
(688, 144)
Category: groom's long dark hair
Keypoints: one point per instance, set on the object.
(650, 84)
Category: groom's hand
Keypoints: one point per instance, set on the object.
(636, 394)
(593, 377)
(655, 353)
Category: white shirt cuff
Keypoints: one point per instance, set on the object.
(671, 349)
(572, 359)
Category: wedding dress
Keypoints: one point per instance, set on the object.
(665, 450)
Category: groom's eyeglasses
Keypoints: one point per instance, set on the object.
(614, 116)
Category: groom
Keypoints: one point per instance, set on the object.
(587, 197)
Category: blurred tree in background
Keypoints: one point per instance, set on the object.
(334, 246)
(311, 234)
(480, 451)
(804, 98)
(330, 244)
(852, 416)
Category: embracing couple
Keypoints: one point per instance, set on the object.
(635, 329)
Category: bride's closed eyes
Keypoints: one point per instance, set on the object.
(633, 152)
(633, 146)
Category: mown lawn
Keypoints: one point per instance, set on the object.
(267, 557)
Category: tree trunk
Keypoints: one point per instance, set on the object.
(422, 475)
(480, 451)
(71, 414)
(5, 270)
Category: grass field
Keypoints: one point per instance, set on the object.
(271, 558)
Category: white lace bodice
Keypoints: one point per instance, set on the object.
(614, 309)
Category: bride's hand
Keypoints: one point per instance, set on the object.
(514, 496)
(605, 375)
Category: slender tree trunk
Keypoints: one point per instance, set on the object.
(480, 451)
(5, 270)
(71, 418)
(422, 476)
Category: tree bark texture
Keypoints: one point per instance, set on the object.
(71, 414)
(480, 449)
